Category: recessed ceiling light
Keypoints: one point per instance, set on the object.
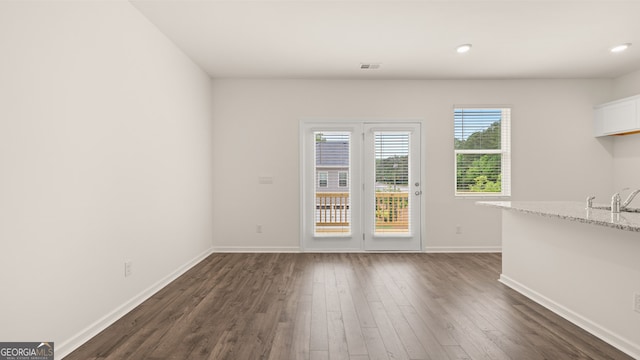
(463, 48)
(620, 48)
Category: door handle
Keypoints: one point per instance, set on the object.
(418, 192)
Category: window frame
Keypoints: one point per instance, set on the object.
(326, 179)
(346, 179)
(504, 151)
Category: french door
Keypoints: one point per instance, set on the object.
(360, 186)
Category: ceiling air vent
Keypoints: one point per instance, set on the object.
(369, 66)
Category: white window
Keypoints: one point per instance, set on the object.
(482, 151)
(342, 179)
(323, 179)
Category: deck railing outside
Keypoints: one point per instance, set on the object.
(332, 209)
(392, 211)
(333, 213)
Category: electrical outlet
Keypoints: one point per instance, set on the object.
(128, 268)
(458, 229)
(636, 302)
(259, 229)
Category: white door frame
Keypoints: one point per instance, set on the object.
(355, 241)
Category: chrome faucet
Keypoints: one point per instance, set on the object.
(590, 202)
(626, 203)
(615, 203)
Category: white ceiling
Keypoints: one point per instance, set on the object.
(410, 39)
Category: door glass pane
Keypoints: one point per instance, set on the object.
(392, 212)
(332, 193)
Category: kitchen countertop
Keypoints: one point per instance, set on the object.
(571, 211)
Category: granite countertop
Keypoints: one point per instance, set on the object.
(572, 211)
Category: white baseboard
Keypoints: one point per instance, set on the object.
(604, 334)
(251, 249)
(94, 329)
(296, 249)
(463, 249)
(360, 251)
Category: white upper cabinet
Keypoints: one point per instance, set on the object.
(617, 117)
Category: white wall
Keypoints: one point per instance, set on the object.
(626, 85)
(105, 156)
(627, 148)
(555, 156)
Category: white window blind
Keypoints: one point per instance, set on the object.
(482, 149)
(392, 182)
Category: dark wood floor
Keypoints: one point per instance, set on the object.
(343, 306)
